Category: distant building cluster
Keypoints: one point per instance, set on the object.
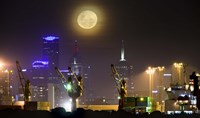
(45, 81)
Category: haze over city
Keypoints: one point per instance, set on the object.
(155, 33)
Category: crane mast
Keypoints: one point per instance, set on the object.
(77, 79)
(120, 85)
(25, 83)
(74, 89)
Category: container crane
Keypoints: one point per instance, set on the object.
(120, 85)
(25, 83)
(74, 88)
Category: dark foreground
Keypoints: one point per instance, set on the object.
(81, 113)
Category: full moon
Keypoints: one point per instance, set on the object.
(87, 19)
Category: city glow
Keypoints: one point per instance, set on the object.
(1, 65)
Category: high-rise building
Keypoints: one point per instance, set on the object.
(75, 61)
(50, 52)
(81, 70)
(125, 71)
(42, 72)
(5, 90)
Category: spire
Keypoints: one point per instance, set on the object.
(76, 47)
(122, 52)
(76, 53)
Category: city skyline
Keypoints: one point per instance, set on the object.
(154, 33)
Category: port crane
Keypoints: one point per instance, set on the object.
(25, 83)
(120, 85)
(74, 86)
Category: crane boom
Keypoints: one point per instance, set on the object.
(121, 86)
(74, 74)
(25, 83)
(62, 77)
(116, 77)
(20, 74)
(74, 90)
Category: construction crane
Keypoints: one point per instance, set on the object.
(25, 83)
(120, 85)
(74, 88)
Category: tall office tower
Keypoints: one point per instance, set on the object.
(43, 72)
(50, 52)
(125, 71)
(39, 80)
(75, 61)
(81, 70)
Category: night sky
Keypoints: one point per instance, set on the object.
(155, 32)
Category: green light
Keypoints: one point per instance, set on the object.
(118, 97)
(69, 86)
(65, 86)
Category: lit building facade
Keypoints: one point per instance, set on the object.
(125, 71)
(42, 73)
(50, 52)
(81, 70)
(5, 90)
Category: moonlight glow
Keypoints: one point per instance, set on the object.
(87, 19)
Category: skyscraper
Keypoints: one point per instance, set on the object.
(5, 93)
(50, 52)
(125, 71)
(81, 70)
(75, 61)
(42, 72)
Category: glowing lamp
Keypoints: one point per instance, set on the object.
(141, 99)
(69, 86)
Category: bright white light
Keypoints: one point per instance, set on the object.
(69, 87)
(197, 74)
(182, 95)
(167, 75)
(70, 100)
(155, 91)
(1, 65)
(150, 70)
(24, 70)
(68, 106)
(169, 89)
(118, 97)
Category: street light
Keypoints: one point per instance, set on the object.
(150, 71)
(160, 69)
(178, 66)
